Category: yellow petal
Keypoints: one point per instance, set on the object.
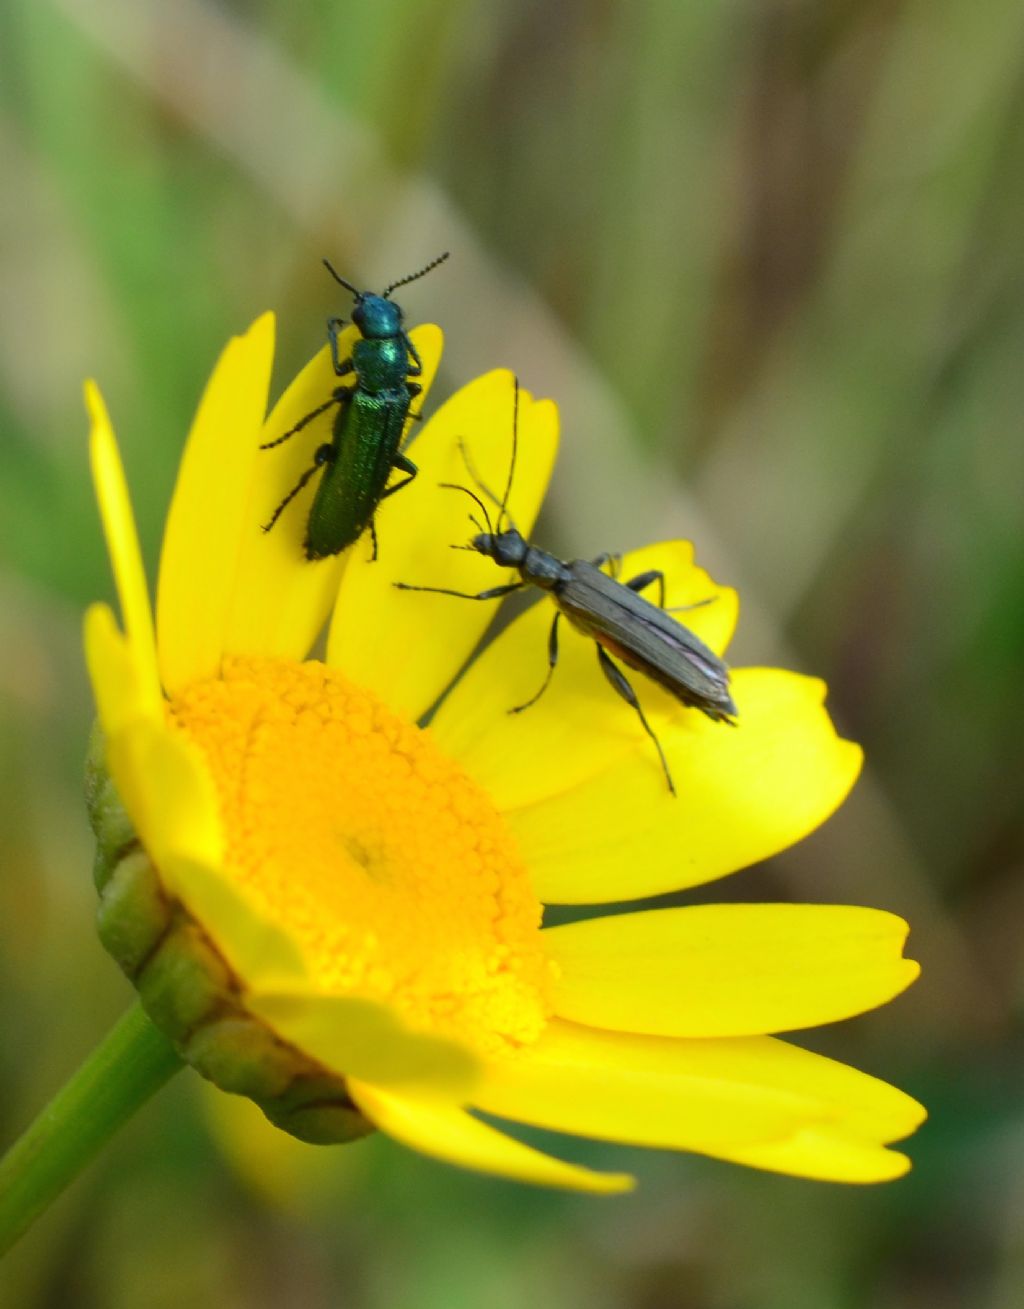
(408, 646)
(728, 970)
(743, 793)
(645, 1090)
(123, 547)
(579, 728)
(281, 599)
(452, 1135)
(173, 805)
(122, 688)
(259, 952)
(822, 1156)
(858, 1105)
(357, 1037)
(167, 792)
(705, 1095)
(210, 509)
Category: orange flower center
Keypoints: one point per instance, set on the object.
(389, 867)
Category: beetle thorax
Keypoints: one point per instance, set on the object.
(543, 569)
(381, 363)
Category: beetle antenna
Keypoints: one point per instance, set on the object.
(503, 511)
(338, 278)
(454, 486)
(414, 277)
(471, 470)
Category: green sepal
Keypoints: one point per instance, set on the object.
(317, 1109)
(239, 1054)
(188, 990)
(133, 913)
(115, 835)
(184, 982)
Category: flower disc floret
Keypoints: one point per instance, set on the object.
(389, 866)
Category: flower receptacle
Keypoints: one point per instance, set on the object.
(188, 989)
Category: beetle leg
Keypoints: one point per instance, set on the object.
(617, 678)
(552, 660)
(643, 580)
(338, 397)
(416, 369)
(404, 465)
(341, 366)
(323, 456)
(373, 538)
(414, 390)
(614, 560)
(494, 593)
(656, 575)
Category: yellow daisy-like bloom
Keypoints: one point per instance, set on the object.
(322, 900)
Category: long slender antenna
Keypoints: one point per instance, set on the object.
(338, 278)
(413, 277)
(471, 469)
(503, 512)
(454, 486)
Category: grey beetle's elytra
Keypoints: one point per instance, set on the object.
(622, 622)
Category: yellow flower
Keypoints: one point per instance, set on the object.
(369, 892)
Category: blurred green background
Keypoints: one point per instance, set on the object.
(768, 257)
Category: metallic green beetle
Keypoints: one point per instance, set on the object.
(372, 412)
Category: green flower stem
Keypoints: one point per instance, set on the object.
(129, 1065)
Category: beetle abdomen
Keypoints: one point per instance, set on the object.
(646, 638)
(367, 437)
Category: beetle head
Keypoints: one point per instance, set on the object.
(506, 548)
(376, 317)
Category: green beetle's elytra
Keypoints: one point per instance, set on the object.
(372, 410)
(614, 614)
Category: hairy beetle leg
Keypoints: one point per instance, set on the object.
(552, 660)
(324, 455)
(495, 592)
(618, 680)
(644, 580)
(404, 465)
(338, 397)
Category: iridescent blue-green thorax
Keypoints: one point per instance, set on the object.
(381, 364)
